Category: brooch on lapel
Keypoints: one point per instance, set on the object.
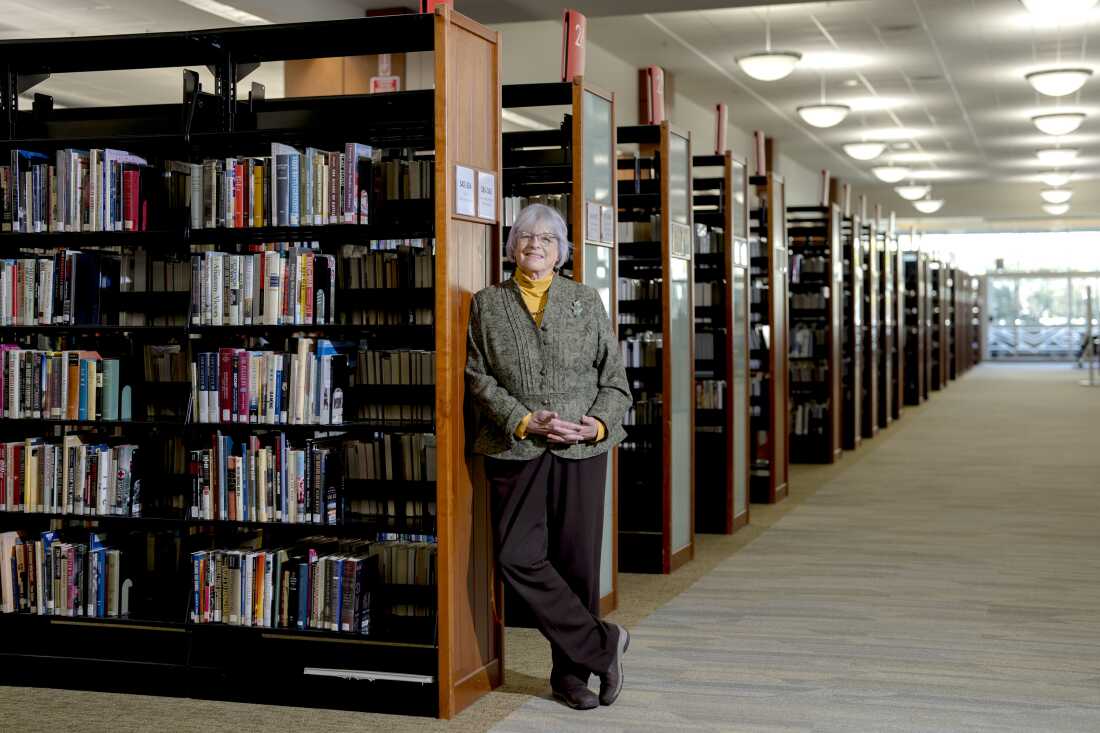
(578, 308)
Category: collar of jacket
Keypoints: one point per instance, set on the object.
(554, 296)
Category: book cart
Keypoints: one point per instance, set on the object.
(569, 168)
(657, 333)
(852, 345)
(721, 215)
(436, 661)
(886, 315)
(916, 325)
(871, 331)
(768, 340)
(937, 282)
(816, 281)
(897, 344)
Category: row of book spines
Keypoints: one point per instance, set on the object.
(303, 387)
(69, 477)
(48, 577)
(710, 394)
(272, 589)
(94, 190)
(273, 483)
(395, 367)
(392, 457)
(270, 288)
(373, 270)
(65, 288)
(65, 385)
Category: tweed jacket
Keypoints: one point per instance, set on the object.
(571, 365)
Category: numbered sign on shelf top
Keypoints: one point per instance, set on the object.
(721, 115)
(574, 36)
(653, 95)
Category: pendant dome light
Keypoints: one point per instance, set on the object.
(890, 173)
(1056, 195)
(865, 150)
(1058, 123)
(1058, 82)
(1056, 157)
(1056, 209)
(1055, 179)
(928, 205)
(913, 191)
(823, 114)
(769, 65)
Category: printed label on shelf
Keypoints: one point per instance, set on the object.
(592, 221)
(487, 195)
(464, 191)
(607, 224)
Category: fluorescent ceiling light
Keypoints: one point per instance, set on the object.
(864, 150)
(928, 206)
(769, 65)
(890, 173)
(1059, 7)
(1059, 123)
(226, 11)
(1057, 157)
(1055, 179)
(1058, 82)
(1056, 195)
(1056, 209)
(824, 115)
(912, 192)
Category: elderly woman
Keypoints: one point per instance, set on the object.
(545, 372)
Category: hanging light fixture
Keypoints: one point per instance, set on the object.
(769, 65)
(1059, 7)
(865, 150)
(1056, 209)
(1058, 82)
(890, 173)
(913, 191)
(1056, 195)
(824, 114)
(1058, 123)
(928, 206)
(1055, 179)
(1057, 157)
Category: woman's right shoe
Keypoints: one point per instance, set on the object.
(577, 697)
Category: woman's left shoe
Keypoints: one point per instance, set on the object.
(611, 681)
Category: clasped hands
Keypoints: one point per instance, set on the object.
(557, 430)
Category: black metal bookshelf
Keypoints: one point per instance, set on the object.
(432, 663)
(887, 314)
(852, 343)
(916, 301)
(869, 410)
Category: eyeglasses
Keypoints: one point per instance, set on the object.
(545, 240)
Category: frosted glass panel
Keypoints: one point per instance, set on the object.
(598, 154)
(679, 166)
(737, 201)
(738, 389)
(682, 387)
(597, 274)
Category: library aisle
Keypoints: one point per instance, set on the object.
(944, 580)
(942, 577)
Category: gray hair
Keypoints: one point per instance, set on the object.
(534, 214)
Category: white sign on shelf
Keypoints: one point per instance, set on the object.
(592, 221)
(465, 198)
(607, 224)
(487, 195)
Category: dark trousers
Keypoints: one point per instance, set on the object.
(548, 521)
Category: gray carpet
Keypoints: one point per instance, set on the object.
(948, 581)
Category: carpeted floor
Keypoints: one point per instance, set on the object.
(943, 577)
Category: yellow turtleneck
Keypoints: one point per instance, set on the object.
(535, 293)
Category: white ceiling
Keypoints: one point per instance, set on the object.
(949, 74)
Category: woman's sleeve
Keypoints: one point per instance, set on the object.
(613, 398)
(493, 400)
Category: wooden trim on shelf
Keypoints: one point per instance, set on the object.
(666, 355)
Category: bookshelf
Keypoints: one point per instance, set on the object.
(656, 330)
(852, 348)
(769, 340)
(897, 344)
(977, 288)
(816, 282)
(721, 216)
(869, 410)
(951, 302)
(569, 167)
(915, 266)
(938, 324)
(434, 644)
(886, 315)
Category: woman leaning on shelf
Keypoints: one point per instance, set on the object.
(547, 377)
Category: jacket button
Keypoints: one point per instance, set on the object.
(542, 372)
